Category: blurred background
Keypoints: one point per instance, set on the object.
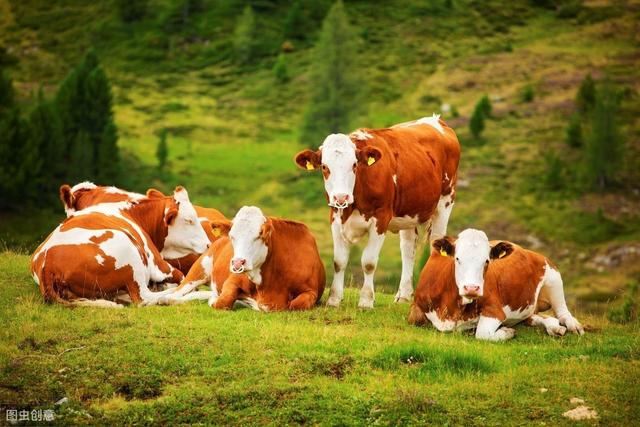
(220, 95)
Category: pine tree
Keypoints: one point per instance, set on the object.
(334, 85)
(485, 106)
(604, 145)
(574, 131)
(162, 151)
(294, 26)
(280, 69)
(476, 124)
(244, 36)
(586, 96)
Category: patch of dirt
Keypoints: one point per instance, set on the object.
(614, 257)
(581, 413)
(30, 343)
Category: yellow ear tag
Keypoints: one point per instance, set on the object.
(216, 231)
(503, 253)
(443, 252)
(310, 166)
(371, 161)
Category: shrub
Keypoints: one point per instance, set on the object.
(528, 93)
(574, 132)
(476, 124)
(280, 70)
(485, 106)
(586, 96)
(628, 311)
(553, 171)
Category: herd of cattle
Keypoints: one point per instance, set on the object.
(119, 247)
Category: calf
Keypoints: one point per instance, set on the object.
(473, 283)
(102, 250)
(269, 263)
(379, 180)
(87, 194)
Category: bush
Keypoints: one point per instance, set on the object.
(485, 106)
(528, 93)
(574, 132)
(586, 96)
(553, 171)
(628, 311)
(476, 124)
(280, 70)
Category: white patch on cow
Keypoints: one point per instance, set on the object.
(448, 325)
(340, 259)
(551, 325)
(395, 179)
(369, 262)
(361, 135)
(100, 259)
(35, 276)
(185, 235)
(247, 244)
(207, 265)
(490, 329)
(95, 303)
(132, 196)
(355, 227)
(555, 292)
(86, 185)
(446, 177)
(440, 218)
(471, 256)
(406, 222)
(339, 156)
(433, 121)
(408, 244)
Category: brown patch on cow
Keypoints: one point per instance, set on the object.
(102, 238)
(336, 267)
(369, 268)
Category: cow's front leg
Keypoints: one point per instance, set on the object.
(304, 301)
(408, 243)
(490, 329)
(340, 259)
(369, 264)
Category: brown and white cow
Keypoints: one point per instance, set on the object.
(86, 194)
(474, 283)
(379, 180)
(267, 263)
(105, 249)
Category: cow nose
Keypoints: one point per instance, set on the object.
(238, 263)
(341, 199)
(471, 289)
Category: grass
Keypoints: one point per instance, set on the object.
(190, 364)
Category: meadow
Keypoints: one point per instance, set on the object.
(233, 132)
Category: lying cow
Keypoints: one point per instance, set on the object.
(103, 250)
(268, 263)
(473, 283)
(379, 180)
(87, 194)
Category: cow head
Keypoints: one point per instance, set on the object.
(472, 254)
(338, 158)
(185, 235)
(249, 234)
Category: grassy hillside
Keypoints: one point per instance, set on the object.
(190, 364)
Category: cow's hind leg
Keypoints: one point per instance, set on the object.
(408, 243)
(369, 263)
(340, 260)
(553, 288)
(551, 324)
(440, 218)
(304, 301)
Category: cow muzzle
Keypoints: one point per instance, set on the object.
(340, 201)
(471, 291)
(238, 265)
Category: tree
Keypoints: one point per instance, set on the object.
(476, 124)
(485, 106)
(280, 69)
(334, 85)
(586, 96)
(132, 10)
(244, 36)
(604, 144)
(162, 151)
(574, 131)
(295, 25)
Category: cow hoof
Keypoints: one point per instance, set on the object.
(366, 305)
(400, 299)
(333, 302)
(574, 326)
(508, 333)
(556, 331)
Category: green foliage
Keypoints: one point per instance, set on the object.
(162, 151)
(567, 9)
(604, 145)
(295, 24)
(586, 96)
(628, 311)
(335, 88)
(574, 132)
(485, 106)
(180, 17)
(554, 168)
(244, 36)
(528, 93)
(476, 123)
(280, 70)
(132, 10)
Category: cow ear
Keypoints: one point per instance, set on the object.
(170, 216)
(66, 195)
(180, 194)
(220, 228)
(368, 155)
(266, 230)
(501, 250)
(444, 246)
(152, 193)
(309, 160)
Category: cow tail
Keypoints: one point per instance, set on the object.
(47, 282)
(417, 316)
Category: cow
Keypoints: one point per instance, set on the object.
(266, 263)
(86, 194)
(109, 248)
(377, 180)
(471, 282)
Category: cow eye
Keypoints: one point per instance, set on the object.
(324, 168)
(486, 262)
(457, 259)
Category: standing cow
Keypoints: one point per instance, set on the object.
(378, 180)
(474, 283)
(103, 250)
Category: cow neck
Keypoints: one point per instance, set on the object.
(278, 251)
(149, 215)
